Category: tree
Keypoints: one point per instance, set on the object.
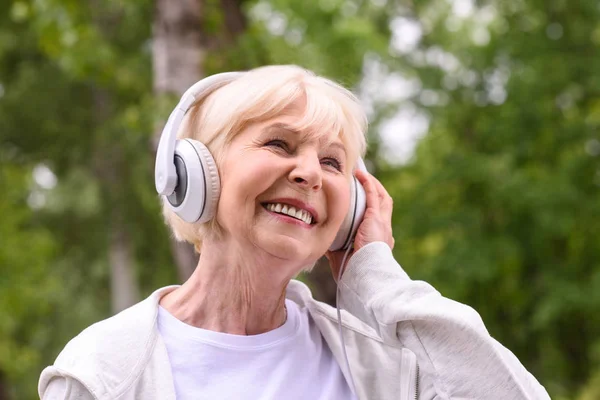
(499, 207)
(182, 37)
(56, 80)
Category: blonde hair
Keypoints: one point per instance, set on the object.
(259, 95)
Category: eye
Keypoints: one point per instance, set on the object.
(282, 144)
(333, 162)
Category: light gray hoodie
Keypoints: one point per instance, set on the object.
(403, 341)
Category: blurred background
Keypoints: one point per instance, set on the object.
(485, 121)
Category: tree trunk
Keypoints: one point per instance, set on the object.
(322, 283)
(3, 387)
(124, 288)
(177, 55)
(178, 52)
(108, 165)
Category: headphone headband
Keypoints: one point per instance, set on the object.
(165, 176)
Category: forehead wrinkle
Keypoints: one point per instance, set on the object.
(281, 126)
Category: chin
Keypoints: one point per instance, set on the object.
(287, 248)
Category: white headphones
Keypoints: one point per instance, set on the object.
(186, 173)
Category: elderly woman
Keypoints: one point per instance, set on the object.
(286, 144)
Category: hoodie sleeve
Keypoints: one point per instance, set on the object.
(55, 385)
(453, 347)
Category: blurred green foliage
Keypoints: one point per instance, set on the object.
(501, 208)
(498, 208)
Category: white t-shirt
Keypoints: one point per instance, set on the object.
(290, 362)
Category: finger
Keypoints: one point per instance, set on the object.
(366, 180)
(386, 201)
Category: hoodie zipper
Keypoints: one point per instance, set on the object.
(410, 376)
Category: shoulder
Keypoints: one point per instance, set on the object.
(324, 315)
(110, 354)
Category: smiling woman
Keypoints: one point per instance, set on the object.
(263, 178)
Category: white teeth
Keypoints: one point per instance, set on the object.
(302, 215)
(306, 217)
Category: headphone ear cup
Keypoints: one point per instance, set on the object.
(198, 186)
(356, 212)
(176, 198)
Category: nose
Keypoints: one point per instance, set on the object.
(307, 173)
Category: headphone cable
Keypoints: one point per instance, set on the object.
(339, 316)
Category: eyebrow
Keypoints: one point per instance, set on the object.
(280, 126)
(338, 145)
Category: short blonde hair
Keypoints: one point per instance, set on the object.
(259, 95)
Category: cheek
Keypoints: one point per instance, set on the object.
(240, 188)
(339, 203)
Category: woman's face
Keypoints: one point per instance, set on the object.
(270, 170)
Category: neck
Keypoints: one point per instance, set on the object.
(232, 294)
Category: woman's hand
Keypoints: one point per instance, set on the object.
(377, 222)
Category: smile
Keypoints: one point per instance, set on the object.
(291, 211)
